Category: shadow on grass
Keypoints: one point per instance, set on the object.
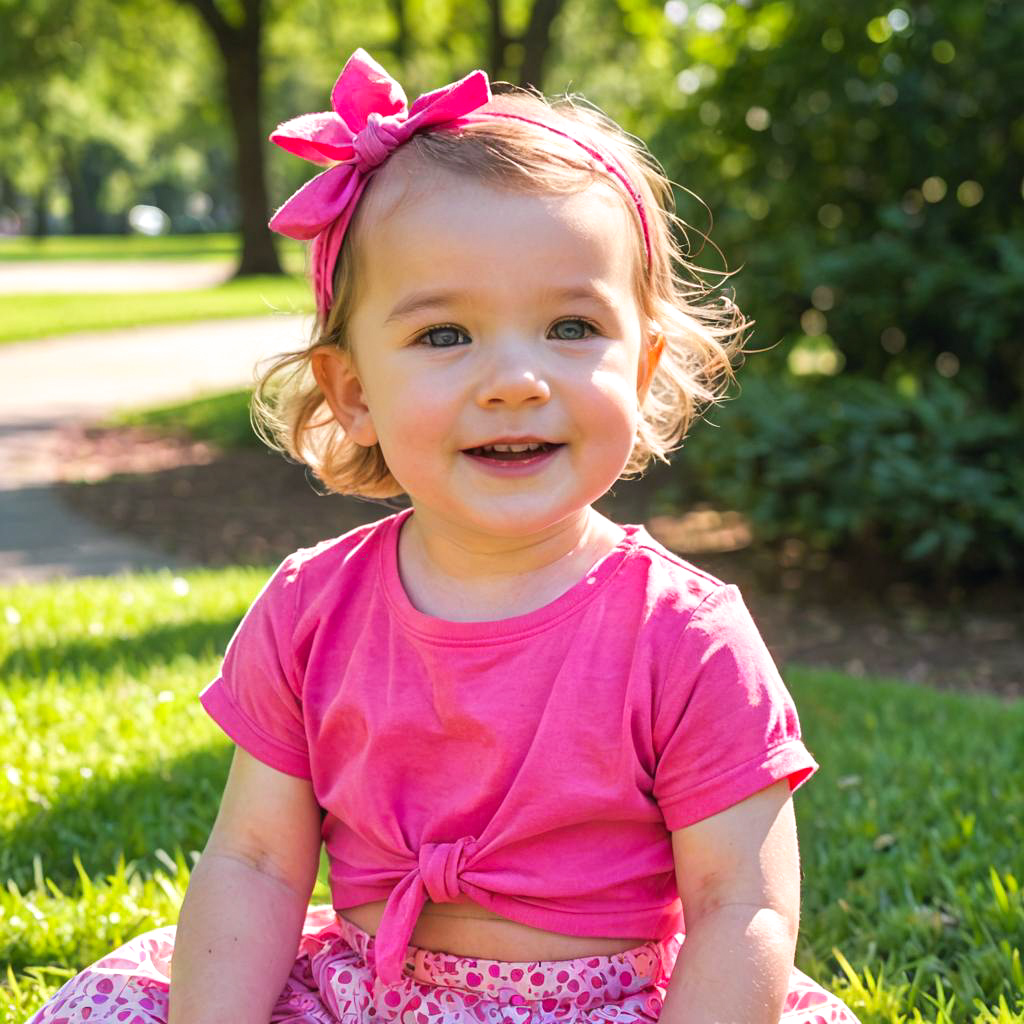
(171, 804)
(136, 653)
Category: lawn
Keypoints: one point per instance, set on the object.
(44, 315)
(219, 246)
(911, 833)
(222, 419)
(23, 317)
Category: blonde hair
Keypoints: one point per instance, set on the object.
(701, 338)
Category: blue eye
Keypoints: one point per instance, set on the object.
(578, 329)
(445, 336)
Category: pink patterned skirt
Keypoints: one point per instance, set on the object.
(332, 983)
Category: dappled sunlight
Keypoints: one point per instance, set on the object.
(702, 529)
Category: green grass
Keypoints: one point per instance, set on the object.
(220, 246)
(222, 419)
(24, 317)
(911, 832)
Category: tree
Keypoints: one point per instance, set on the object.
(82, 100)
(240, 44)
(532, 44)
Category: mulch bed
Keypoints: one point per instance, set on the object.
(216, 508)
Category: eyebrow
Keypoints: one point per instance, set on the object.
(418, 302)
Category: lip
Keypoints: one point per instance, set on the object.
(517, 467)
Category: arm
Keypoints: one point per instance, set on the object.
(240, 922)
(738, 874)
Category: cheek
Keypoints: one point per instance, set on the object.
(614, 389)
(619, 369)
(408, 413)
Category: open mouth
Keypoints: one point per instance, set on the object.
(513, 452)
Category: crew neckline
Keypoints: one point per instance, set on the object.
(581, 592)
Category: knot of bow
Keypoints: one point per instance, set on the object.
(372, 145)
(369, 118)
(440, 865)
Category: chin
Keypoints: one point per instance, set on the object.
(523, 522)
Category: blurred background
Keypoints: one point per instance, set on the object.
(852, 173)
(856, 169)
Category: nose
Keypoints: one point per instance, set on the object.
(513, 375)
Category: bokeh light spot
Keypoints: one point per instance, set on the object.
(818, 101)
(832, 40)
(813, 323)
(898, 19)
(688, 81)
(815, 355)
(893, 340)
(759, 38)
(676, 12)
(912, 201)
(757, 206)
(758, 119)
(830, 216)
(709, 113)
(879, 30)
(709, 17)
(887, 94)
(823, 297)
(969, 193)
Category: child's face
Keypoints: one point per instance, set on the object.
(500, 353)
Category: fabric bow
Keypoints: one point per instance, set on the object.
(369, 120)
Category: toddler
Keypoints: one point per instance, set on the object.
(529, 739)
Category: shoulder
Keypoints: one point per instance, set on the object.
(307, 570)
(674, 588)
(310, 586)
(692, 621)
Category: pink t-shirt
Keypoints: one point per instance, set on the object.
(534, 765)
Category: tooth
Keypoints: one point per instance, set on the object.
(530, 446)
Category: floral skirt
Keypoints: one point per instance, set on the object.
(332, 982)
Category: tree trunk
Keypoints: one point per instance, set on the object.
(85, 167)
(497, 41)
(41, 207)
(403, 40)
(241, 51)
(242, 67)
(8, 197)
(537, 42)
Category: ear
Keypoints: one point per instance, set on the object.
(336, 375)
(649, 359)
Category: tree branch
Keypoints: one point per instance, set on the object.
(223, 31)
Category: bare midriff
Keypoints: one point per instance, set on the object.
(467, 929)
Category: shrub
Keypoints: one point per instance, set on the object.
(852, 467)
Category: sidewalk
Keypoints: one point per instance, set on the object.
(44, 276)
(88, 376)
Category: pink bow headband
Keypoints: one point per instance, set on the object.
(370, 119)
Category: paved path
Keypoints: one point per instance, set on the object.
(35, 276)
(83, 377)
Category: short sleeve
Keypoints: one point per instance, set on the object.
(725, 724)
(256, 697)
